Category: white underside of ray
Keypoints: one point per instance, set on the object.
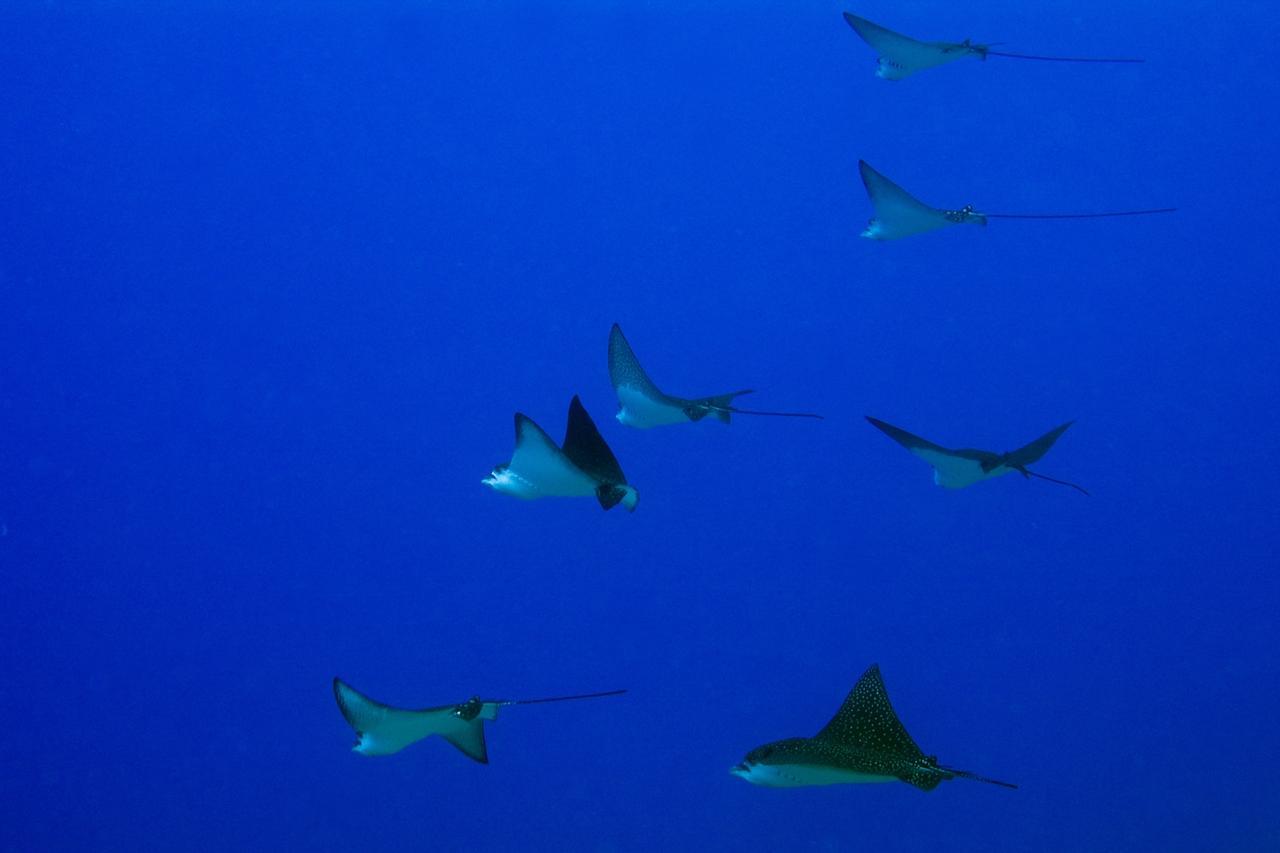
(643, 411)
(395, 729)
(902, 56)
(540, 469)
(800, 775)
(898, 214)
(956, 472)
(910, 56)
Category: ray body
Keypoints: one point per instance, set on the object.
(955, 469)
(384, 730)
(583, 466)
(901, 56)
(643, 405)
(864, 742)
(900, 214)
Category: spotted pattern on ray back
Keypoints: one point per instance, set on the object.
(624, 367)
(866, 719)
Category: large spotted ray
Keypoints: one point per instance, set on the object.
(642, 404)
(900, 214)
(583, 466)
(901, 56)
(864, 742)
(955, 469)
(384, 730)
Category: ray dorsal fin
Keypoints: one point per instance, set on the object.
(586, 448)
(866, 719)
(624, 368)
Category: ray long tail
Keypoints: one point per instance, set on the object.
(1103, 215)
(735, 410)
(965, 774)
(1060, 58)
(1047, 478)
(574, 697)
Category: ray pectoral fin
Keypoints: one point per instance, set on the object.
(867, 719)
(624, 366)
(1034, 450)
(898, 212)
(586, 448)
(360, 712)
(469, 739)
(908, 440)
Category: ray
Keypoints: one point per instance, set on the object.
(643, 405)
(865, 742)
(955, 469)
(385, 730)
(582, 467)
(900, 214)
(901, 56)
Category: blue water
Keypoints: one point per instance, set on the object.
(274, 279)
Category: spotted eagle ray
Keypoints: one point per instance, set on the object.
(864, 742)
(384, 730)
(900, 214)
(902, 56)
(583, 466)
(955, 469)
(641, 404)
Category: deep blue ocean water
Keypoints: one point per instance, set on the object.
(274, 278)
